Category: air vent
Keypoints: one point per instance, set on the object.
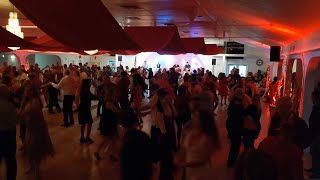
(169, 24)
(132, 7)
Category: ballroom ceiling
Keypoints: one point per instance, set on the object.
(259, 22)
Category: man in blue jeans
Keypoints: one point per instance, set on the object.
(8, 122)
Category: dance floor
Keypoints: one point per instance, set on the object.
(76, 161)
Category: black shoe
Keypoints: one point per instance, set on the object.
(65, 125)
(89, 141)
(82, 140)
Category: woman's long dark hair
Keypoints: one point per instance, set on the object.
(162, 92)
(30, 93)
(85, 87)
(208, 127)
(136, 156)
(138, 80)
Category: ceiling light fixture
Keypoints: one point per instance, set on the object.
(91, 52)
(14, 48)
(14, 27)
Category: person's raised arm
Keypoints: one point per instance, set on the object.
(152, 102)
(58, 86)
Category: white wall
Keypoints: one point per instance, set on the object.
(251, 64)
(305, 49)
(102, 60)
(168, 61)
(48, 59)
(194, 60)
(220, 64)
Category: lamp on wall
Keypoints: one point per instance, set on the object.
(14, 27)
(91, 52)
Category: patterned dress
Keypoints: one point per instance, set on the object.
(38, 145)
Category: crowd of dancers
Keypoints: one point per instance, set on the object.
(181, 108)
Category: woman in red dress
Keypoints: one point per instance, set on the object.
(138, 90)
(273, 92)
(223, 88)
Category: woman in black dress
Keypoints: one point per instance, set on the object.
(251, 123)
(84, 113)
(234, 125)
(108, 121)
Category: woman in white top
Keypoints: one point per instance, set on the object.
(163, 133)
(199, 141)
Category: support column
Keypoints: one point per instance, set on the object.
(22, 56)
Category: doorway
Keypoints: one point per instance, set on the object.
(311, 82)
(294, 82)
(243, 69)
(43, 60)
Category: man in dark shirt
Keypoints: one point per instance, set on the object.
(314, 125)
(150, 79)
(53, 94)
(8, 132)
(123, 87)
(173, 79)
(187, 67)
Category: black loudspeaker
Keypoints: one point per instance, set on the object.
(275, 53)
(214, 61)
(120, 58)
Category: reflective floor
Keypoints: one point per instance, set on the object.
(76, 161)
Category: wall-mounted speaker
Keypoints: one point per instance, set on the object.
(275, 53)
(214, 61)
(120, 58)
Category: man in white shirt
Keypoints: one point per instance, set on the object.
(67, 85)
